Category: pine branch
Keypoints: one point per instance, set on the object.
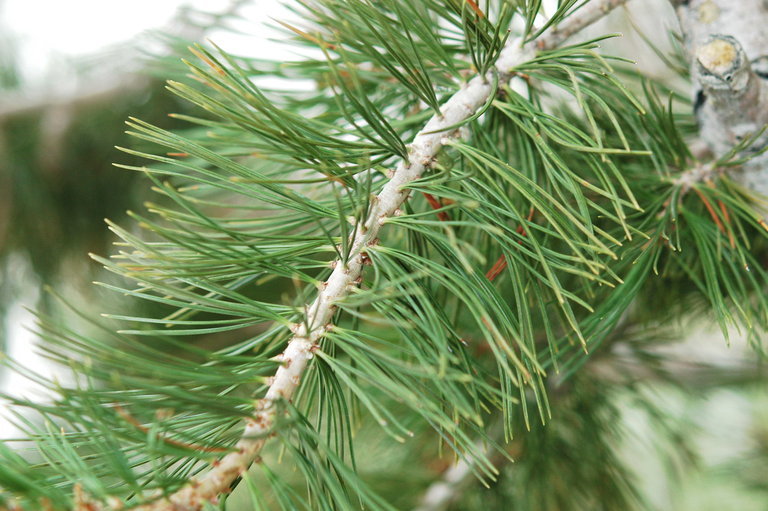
(727, 47)
(346, 274)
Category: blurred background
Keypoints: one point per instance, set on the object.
(72, 72)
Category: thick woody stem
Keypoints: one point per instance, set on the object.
(425, 146)
(727, 47)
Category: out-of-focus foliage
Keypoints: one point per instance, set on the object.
(57, 148)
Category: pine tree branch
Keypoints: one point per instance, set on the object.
(346, 274)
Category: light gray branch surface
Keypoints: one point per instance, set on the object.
(727, 46)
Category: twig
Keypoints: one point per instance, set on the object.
(425, 146)
(441, 493)
(586, 16)
(699, 173)
(688, 180)
(130, 419)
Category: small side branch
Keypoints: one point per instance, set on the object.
(701, 173)
(583, 18)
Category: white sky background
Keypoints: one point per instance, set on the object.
(52, 32)
(49, 27)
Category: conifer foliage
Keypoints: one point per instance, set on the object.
(414, 263)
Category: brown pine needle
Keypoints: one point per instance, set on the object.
(711, 210)
(476, 8)
(208, 61)
(501, 262)
(442, 215)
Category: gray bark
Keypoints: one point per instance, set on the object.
(727, 46)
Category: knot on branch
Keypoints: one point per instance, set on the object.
(722, 65)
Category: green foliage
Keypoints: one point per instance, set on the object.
(566, 175)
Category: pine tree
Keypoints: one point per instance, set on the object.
(452, 253)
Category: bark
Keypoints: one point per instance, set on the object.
(727, 46)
